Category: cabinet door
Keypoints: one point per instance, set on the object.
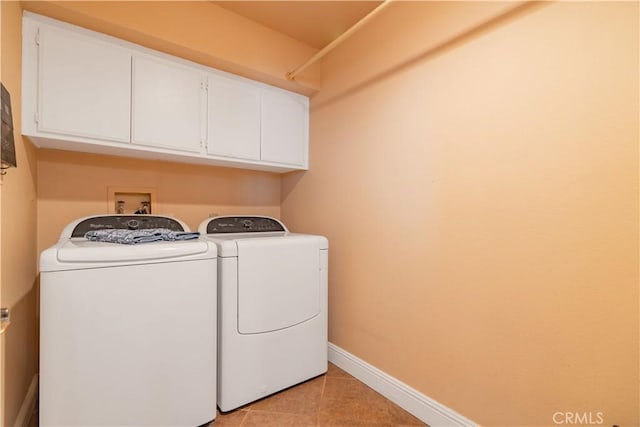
(167, 109)
(84, 87)
(234, 118)
(284, 127)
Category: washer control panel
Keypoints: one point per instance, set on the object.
(126, 222)
(243, 224)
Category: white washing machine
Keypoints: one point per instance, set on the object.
(272, 307)
(127, 332)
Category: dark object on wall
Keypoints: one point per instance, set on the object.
(8, 149)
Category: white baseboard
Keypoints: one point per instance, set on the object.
(417, 404)
(28, 404)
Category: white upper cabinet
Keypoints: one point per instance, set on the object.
(83, 86)
(284, 127)
(234, 118)
(167, 105)
(89, 92)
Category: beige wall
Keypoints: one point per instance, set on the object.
(196, 30)
(21, 354)
(72, 185)
(18, 233)
(479, 189)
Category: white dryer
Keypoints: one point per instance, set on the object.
(127, 332)
(272, 307)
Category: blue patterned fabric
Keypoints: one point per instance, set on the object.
(133, 237)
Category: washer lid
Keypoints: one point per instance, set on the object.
(82, 253)
(88, 251)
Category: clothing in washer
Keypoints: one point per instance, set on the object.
(127, 332)
(272, 307)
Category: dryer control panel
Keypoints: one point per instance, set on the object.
(244, 224)
(126, 222)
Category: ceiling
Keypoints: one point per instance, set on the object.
(315, 23)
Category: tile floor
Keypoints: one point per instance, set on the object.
(335, 399)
